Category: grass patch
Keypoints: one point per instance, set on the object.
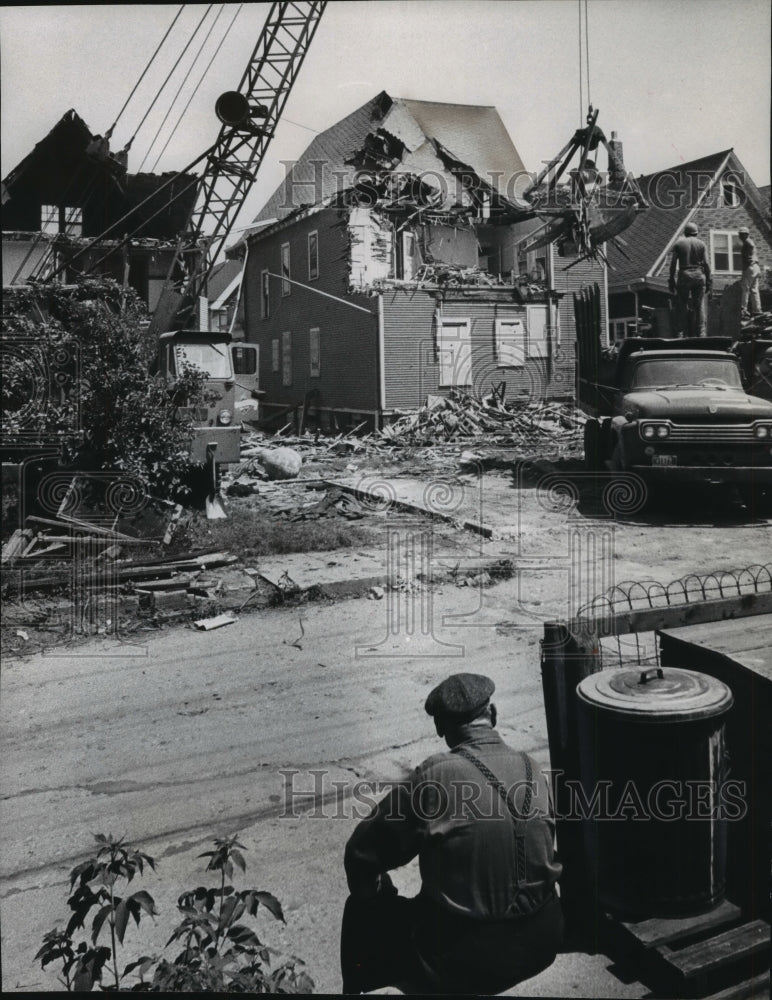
(254, 533)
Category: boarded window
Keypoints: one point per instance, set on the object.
(285, 269)
(313, 256)
(454, 350)
(275, 354)
(538, 331)
(286, 358)
(265, 295)
(510, 343)
(314, 351)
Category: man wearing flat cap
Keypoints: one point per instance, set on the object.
(479, 819)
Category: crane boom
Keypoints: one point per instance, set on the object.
(249, 118)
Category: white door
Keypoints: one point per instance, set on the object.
(454, 347)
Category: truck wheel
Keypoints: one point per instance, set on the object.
(757, 500)
(592, 446)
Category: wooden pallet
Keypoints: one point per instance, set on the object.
(716, 954)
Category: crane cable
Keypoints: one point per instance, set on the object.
(201, 80)
(584, 60)
(109, 132)
(127, 147)
(182, 84)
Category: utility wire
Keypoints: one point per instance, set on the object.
(179, 89)
(171, 71)
(203, 75)
(142, 77)
(581, 87)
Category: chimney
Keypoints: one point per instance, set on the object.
(616, 165)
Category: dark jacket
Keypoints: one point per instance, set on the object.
(450, 817)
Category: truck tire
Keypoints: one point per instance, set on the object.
(592, 446)
(757, 500)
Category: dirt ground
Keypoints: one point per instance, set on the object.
(174, 736)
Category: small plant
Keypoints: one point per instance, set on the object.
(219, 952)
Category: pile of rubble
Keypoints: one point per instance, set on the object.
(758, 327)
(460, 415)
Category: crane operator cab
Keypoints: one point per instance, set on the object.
(231, 375)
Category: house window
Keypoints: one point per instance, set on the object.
(286, 358)
(265, 295)
(726, 252)
(621, 329)
(67, 220)
(314, 351)
(510, 343)
(313, 256)
(73, 221)
(730, 194)
(275, 354)
(49, 218)
(285, 269)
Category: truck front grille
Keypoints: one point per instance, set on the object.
(711, 434)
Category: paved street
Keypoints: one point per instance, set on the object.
(183, 735)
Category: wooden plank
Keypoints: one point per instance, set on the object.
(756, 988)
(750, 647)
(663, 930)
(707, 956)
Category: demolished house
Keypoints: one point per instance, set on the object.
(718, 194)
(71, 208)
(390, 265)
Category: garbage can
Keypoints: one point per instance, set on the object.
(653, 798)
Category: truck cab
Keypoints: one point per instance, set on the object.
(676, 411)
(215, 430)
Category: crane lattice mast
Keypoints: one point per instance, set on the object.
(249, 116)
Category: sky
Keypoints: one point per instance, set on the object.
(676, 79)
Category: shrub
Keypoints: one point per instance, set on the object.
(102, 406)
(219, 951)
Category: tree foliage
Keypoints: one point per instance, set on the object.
(77, 372)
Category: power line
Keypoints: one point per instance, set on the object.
(179, 89)
(203, 75)
(142, 77)
(171, 71)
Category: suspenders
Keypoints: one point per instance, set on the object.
(517, 819)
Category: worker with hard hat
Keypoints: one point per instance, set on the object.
(479, 819)
(690, 259)
(751, 275)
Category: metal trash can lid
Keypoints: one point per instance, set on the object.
(656, 694)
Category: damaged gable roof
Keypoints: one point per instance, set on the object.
(473, 135)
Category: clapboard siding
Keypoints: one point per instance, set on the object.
(411, 365)
(567, 280)
(348, 378)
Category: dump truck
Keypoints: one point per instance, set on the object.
(231, 369)
(672, 411)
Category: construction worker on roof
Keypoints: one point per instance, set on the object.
(750, 277)
(690, 258)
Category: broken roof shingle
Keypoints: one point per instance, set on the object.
(473, 134)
